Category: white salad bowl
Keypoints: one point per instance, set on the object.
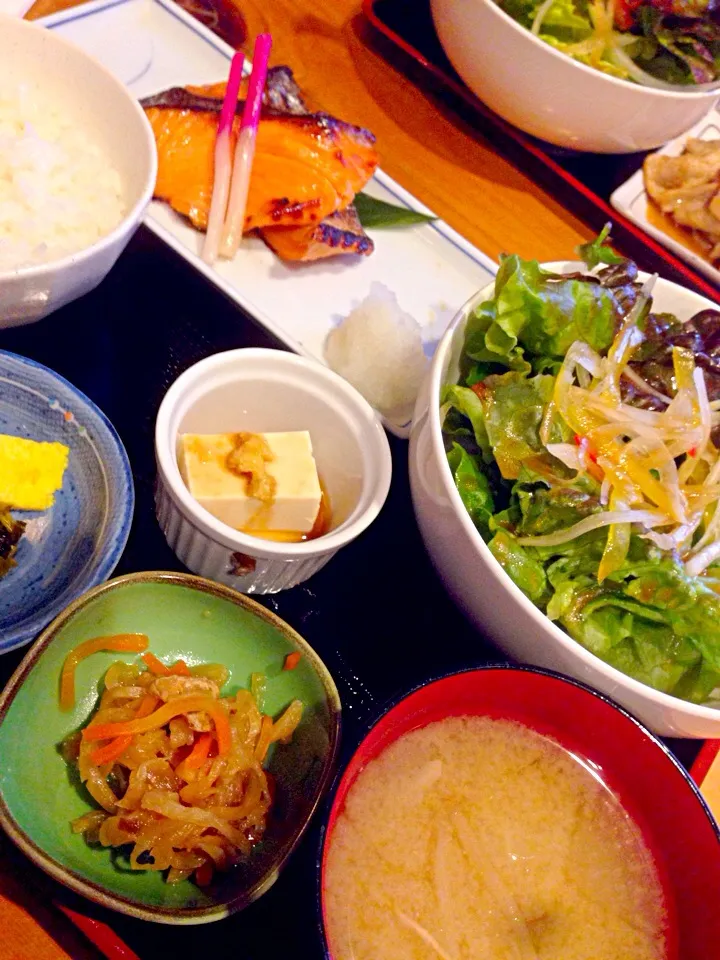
(266, 391)
(478, 583)
(44, 63)
(549, 95)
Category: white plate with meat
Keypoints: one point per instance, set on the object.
(675, 196)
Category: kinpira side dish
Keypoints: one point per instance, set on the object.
(176, 769)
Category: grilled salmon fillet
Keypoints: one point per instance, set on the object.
(307, 166)
(341, 232)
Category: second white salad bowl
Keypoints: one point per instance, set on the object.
(548, 94)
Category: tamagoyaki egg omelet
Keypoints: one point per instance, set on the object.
(31, 472)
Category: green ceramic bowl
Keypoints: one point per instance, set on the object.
(186, 617)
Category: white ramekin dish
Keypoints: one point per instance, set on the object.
(479, 584)
(549, 95)
(40, 59)
(263, 391)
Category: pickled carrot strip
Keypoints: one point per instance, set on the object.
(292, 660)
(194, 703)
(117, 747)
(155, 665)
(119, 643)
(199, 753)
(111, 751)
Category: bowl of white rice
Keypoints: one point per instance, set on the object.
(77, 170)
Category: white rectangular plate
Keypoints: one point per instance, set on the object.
(631, 200)
(154, 44)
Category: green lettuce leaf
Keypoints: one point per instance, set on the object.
(649, 620)
(520, 564)
(473, 487)
(513, 408)
(468, 403)
(546, 509)
(598, 251)
(562, 19)
(532, 312)
(564, 22)
(492, 345)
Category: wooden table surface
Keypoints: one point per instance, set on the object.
(428, 150)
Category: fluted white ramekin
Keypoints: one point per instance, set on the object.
(263, 391)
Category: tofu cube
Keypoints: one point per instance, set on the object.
(224, 493)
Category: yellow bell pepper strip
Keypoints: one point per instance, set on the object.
(683, 368)
(193, 703)
(117, 747)
(264, 739)
(119, 643)
(617, 544)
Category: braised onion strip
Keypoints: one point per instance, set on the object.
(180, 783)
(660, 465)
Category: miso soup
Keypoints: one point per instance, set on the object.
(479, 839)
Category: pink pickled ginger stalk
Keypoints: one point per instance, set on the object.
(223, 162)
(245, 149)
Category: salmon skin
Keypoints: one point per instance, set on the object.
(308, 166)
(341, 232)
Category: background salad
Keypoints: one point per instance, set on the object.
(654, 42)
(583, 438)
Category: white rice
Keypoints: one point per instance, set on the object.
(378, 348)
(59, 192)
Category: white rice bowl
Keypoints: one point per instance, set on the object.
(59, 191)
(78, 164)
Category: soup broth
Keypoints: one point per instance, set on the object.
(479, 839)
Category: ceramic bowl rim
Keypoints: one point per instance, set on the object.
(209, 526)
(118, 532)
(396, 699)
(680, 94)
(96, 892)
(624, 682)
(134, 214)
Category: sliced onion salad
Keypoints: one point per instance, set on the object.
(608, 44)
(658, 470)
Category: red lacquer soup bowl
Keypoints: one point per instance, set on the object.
(650, 783)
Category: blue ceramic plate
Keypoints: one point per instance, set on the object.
(77, 543)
